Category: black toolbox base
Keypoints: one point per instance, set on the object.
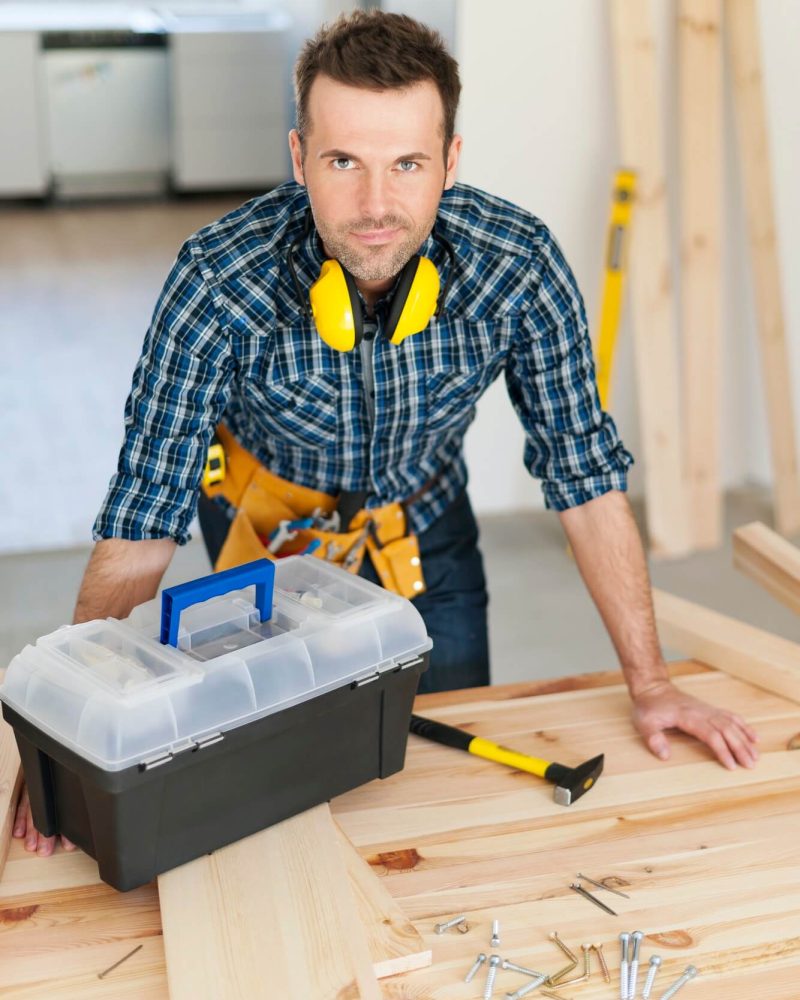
(137, 823)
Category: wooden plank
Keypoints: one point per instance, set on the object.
(760, 658)
(770, 560)
(639, 116)
(270, 916)
(459, 813)
(10, 785)
(701, 174)
(57, 944)
(395, 945)
(741, 19)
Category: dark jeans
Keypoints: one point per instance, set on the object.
(454, 605)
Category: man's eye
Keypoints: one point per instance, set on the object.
(340, 160)
(411, 166)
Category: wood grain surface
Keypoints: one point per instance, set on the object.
(271, 915)
(710, 859)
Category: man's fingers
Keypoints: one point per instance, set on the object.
(740, 745)
(46, 846)
(20, 819)
(705, 731)
(658, 744)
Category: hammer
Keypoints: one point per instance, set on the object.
(570, 782)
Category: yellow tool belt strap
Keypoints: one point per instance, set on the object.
(262, 500)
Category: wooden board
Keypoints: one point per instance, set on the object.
(639, 117)
(712, 864)
(761, 658)
(770, 560)
(271, 915)
(700, 124)
(741, 19)
(395, 945)
(10, 781)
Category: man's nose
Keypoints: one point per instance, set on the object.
(374, 196)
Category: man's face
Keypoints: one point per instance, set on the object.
(375, 172)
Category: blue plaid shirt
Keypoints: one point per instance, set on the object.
(229, 341)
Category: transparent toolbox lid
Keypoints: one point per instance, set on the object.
(114, 693)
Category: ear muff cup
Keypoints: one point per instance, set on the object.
(336, 307)
(404, 283)
(415, 300)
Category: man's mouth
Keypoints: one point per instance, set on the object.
(375, 236)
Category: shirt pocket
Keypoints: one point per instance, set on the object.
(296, 412)
(450, 397)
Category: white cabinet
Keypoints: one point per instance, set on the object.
(229, 117)
(23, 159)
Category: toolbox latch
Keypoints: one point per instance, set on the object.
(413, 662)
(151, 762)
(209, 740)
(366, 680)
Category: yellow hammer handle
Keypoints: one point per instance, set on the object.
(522, 762)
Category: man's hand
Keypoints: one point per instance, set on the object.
(34, 841)
(662, 706)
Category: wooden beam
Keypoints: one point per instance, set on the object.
(748, 91)
(760, 658)
(395, 945)
(640, 123)
(770, 560)
(271, 915)
(701, 176)
(10, 785)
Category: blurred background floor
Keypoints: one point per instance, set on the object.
(542, 621)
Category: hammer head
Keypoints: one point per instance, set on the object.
(572, 782)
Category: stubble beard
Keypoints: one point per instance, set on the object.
(374, 263)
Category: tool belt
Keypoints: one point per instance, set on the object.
(264, 502)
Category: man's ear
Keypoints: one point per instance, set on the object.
(297, 156)
(452, 161)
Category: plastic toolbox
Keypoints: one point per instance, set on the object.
(156, 739)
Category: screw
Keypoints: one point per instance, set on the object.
(655, 961)
(495, 933)
(570, 955)
(586, 959)
(520, 968)
(523, 991)
(689, 973)
(473, 971)
(633, 972)
(494, 961)
(624, 938)
(554, 979)
(599, 949)
(441, 928)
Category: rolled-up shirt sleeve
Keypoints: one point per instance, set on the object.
(179, 391)
(571, 444)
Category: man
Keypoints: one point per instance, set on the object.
(375, 155)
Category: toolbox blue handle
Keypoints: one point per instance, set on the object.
(261, 572)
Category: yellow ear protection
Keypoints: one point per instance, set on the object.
(335, 306)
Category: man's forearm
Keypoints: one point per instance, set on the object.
(611, 560)
(120, 575)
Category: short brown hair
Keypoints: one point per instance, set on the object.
(376, 50)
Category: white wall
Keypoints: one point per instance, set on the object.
(539, 128)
